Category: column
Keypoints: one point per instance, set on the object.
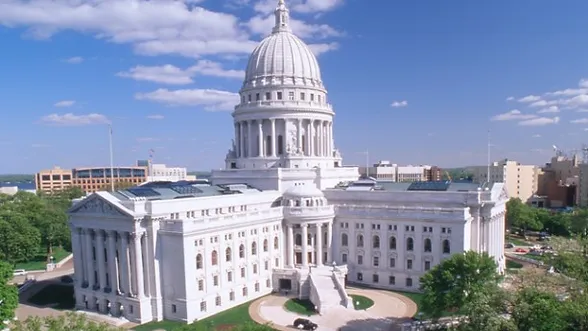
(330, 242)
(112, 262)
(241, 140)
(290, 246)
(273, 138)
(145, 262)
(330, 138)
(100, 259)
(80, 273)
(236, 140)
(311, 137)
(249, 140)
(308, 139)
(319, 244)
(299, 132)
(89, 258)
(260, 135)
(304, 245)
(319, 138)
(125, 272)
(138, 265)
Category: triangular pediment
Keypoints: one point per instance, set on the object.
(499, 192)
(98, 205)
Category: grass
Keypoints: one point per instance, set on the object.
(510, 264)
(517, 242)
(418, 299)
(302, 307)
(360, 302)
(234, 316)
(55, 295)
(39, 262)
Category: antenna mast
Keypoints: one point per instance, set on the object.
(111, 158)
(488, 164)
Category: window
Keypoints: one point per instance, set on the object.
(375, 278)
(229, 276)
(276, 243)
(203, 306)
(242, 251)
(376, 241)
(344, 239)
(249, 98)
(266, 265)
(218, 300)
(360, 259)
(268, 283)
(392, 262)
(254, 248)
(344, 258)
(257, 97)
(427, 265)
(232, 296)
(257, 287)
(427, 245)
(280, 145)
(174, 309)
(409, 264)
(376, 261)
(409, 282)
(265, 245)
(200, 285)
(392, 227)
(242, 272)
(290, 96)
(446, 247)
(298, 239)
(279, 95)
(268, 96)
(409, 244)
(215, 280)
(214, 257)
(392, 280)
(255, 268)
(245, 291)
(392, 243)
(312, 97)
(199, 261)
(360, 241)
(302, 96)
(228, 254)
(359, 276)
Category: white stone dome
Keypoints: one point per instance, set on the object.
(303, 191)
(282, 57)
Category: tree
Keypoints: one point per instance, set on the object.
(70, 322)
(19, 240)
(538, 311)
(484, 311)
(8, 293)
(521, 216)
(450, 284)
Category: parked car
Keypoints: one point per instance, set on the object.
(304, 324)
(520, 250)
(19, 272)
(509, 245)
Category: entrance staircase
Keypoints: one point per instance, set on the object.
(327, 290)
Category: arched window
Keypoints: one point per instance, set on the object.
(392, 243)
(298, 239)
(409, 244)
(280, 145)
(276, 243)
(446, 247)
(344, 239)
(427, 245)
(254, 248)
(265, 245)
(359, 241)
(214, 258)
(228, 254)
(199, 261)
(376, 241)
(242, 251)
(268, 145)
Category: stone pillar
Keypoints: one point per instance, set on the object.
(273, 138)
(330, 139)
(304, 245)
(319, 137)
(311, 138)
(112, 262)
(100, 259)
(125, 272)
(319, 244)
(330, 258)
(260, 135)
(138, 265)
(76, 245)
(290, 246)
(241, 140)
(249, 140)
(299, 135)
(236, 140)
(145, 261)
(308, 139)
(89, 258)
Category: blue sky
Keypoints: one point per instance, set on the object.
(165, 73)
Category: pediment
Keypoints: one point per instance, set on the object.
(96, 205)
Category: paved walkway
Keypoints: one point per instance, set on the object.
(388, 312)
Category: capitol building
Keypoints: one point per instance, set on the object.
(285, 215)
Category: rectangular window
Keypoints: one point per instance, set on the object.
(232, 296)
(392, 262)
(230, 276)
(302, 96)
(257, 97)
(291, 96)
(255, 268)
(215, 280)
(268, 96)
(392, 280)
(174, 309)
(311, 97)
(409, 264)
(409, 282)
(427, 265)
(360, 259)
(249, 98)
(376, 261)
(279, 95)
(203, 306)
(344, 258)
(242, 272)
(375, 278)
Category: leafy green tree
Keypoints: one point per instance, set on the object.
(557, 224)
(19, 240)
(8, 293)
(451, 283)
(70, 322)
(520, 215)
(484, 311)
(538, 311)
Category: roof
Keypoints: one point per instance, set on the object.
(430, 186)
(160, 190)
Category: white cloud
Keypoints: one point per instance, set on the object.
(514, 114)
(551, 109)
(211, 100)
(71, 60)
(536, 136)
(155, 117)
(510, 99)
(529, 99)
(318, 49)
(580, 121)
(70, 119)
(64, 103)
(262, 25)
(146, 139)
(540, 121)
(169, 74)
(301, 6)
(399, 104)
(583, 83)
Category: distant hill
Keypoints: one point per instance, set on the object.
(200, 174)
(14, 178)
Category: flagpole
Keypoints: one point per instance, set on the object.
(111, 158)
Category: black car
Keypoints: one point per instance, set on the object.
(304, 324)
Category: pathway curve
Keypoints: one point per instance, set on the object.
(389, 310)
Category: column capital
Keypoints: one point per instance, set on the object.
(304, 225)
(272, 120)
(87, 231)
(100, 233)
(319, 225)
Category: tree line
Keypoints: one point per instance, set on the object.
(31, 224)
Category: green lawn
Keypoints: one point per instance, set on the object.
(235, 316)
(517, 242)
(360, 302)
(302, 307)
(510, 264)
(39, 262)
(56, 296)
